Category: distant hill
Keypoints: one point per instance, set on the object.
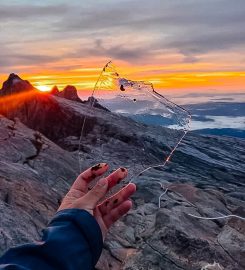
(217, 108)
(158, 120)
(153, 120)
(222, 132)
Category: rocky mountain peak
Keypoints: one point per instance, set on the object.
(55, 91)
(95, 103)
(69, 92)
(13, 76)
(70, 88)
(14, 84)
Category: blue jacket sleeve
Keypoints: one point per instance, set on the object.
(72, 241)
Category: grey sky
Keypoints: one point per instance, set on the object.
(125, 30)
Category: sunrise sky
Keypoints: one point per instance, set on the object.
(180, 46)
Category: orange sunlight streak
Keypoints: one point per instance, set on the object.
(8, 103)
(174, 79)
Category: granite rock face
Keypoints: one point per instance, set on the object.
(69, 92)
(39, 143)
(34, 175)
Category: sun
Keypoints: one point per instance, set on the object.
(43, 88)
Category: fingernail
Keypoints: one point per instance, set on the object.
(99, 166)
(122, 172)
(103, 182)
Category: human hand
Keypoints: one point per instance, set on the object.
(108, 211)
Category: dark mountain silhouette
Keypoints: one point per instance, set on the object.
(217, 108)
(69, 92)
(55, 91)
(93, 102)
(14, 84)
(39, 142)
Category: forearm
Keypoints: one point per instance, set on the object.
(72, 240)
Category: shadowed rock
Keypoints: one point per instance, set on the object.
(14, 84)
(69, 92)
(55, 91)
(93, 102)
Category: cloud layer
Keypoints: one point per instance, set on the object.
(144, 32)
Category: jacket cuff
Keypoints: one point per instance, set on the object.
(87, 226)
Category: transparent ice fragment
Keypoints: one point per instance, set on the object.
(129, 124)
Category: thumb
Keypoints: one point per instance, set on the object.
(96, 193)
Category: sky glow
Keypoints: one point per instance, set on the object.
(179, 46)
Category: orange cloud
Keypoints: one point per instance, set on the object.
(177, 77)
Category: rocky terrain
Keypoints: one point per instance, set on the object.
(39, 145)
(69, 92)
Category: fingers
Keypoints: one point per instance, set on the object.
(91, 199)
(101, 188)
(88, 175)
(116, 213)
(112, 202)
(116, 177)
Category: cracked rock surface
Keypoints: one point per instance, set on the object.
(30, 192)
